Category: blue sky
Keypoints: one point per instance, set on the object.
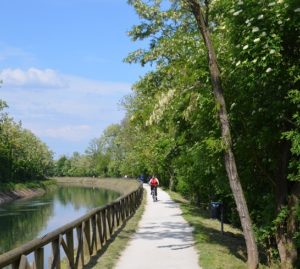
(61, 63)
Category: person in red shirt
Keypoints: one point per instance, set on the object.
(154, 182)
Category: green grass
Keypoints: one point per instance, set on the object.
(10, 186)
(117, 184)
(108, 257)
(216, 251)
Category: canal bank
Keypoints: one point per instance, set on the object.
(123, 186)
(9, 196)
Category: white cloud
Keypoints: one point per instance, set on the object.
(62, 108)
(48, 78)
(89, 86)
(68, 132)
(62, 95)
(33, 77)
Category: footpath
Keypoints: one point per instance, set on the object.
(163, 240)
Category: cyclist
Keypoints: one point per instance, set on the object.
(154, 182)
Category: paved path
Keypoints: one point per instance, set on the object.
(163, 241)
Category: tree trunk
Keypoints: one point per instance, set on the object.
(230, 163)
(171, 181)
(285, 232)
(288, 227)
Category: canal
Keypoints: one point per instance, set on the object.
(27, 219)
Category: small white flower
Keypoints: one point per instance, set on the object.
(260, 17)
(232, 105)
(269, 70)
(263, 34)
(271, 4)
(279, 22)
(255, 29)
(297, 9)
(256, 40)
(237, 12)
(245, 47)
(272, 51)
(255, 60)
(238, 63)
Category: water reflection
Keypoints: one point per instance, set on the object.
(26, 219)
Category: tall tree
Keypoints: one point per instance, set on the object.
(230, 164)
(160, 22)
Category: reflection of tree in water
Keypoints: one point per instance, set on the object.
(84, 196)
(21, 221)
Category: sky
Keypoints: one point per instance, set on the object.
(61, 64)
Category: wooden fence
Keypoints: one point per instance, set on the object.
(79, 239)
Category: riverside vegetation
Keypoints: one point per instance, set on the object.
(174, 117)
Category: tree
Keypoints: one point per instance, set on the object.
(23, 156)
(156, 25)
(230, 163)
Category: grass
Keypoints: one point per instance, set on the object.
(108, 257)
(120, 185)
(123, 186)
(10, 186)
(216, 251)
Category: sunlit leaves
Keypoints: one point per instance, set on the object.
(23, 156)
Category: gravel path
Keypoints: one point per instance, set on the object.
(164, 239)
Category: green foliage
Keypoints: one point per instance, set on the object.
(258, 51)
(294, 137)
(171, 127)
(102, 157)
(23, 157)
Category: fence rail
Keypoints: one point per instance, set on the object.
(91, 232)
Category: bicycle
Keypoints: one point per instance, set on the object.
(154, 197)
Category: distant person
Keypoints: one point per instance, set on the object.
(154, 182)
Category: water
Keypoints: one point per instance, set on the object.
(27, 219)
